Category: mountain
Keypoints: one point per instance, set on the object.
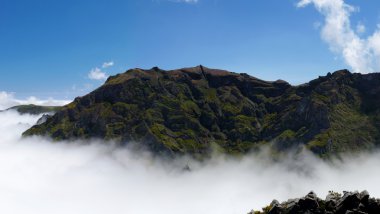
(191, 110)
(34, 109)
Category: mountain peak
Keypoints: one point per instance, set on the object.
(341, 73)
(190, 110)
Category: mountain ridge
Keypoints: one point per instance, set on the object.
(187, 111)
(33, 109)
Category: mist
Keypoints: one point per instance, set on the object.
(8, 100)
(39, 176)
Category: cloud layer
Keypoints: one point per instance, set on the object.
(39, 176)
(8, 100)
(361, 53)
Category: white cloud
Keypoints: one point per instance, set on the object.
(97, 74)
(8, 100)
(360, 28)
(361, 54)
(43, 102)
(96, 178)
(108, 64)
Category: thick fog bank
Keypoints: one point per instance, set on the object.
(38, 176)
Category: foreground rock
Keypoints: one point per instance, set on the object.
(335, 203)
(190, 110)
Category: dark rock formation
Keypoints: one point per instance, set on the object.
(43, 119)
(194, 109)
(335, 203)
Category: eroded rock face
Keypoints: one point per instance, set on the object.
(335, 203)
(191, 110)
(43, 119)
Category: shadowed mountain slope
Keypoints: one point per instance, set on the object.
(191, 110)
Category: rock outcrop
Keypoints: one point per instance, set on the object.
(191, 110)
(43, 119)
(335, 203)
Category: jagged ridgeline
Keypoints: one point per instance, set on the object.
(193, 109)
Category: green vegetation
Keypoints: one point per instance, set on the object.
(34, 109)
(198, 109)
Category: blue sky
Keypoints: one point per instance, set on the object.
(48, 47)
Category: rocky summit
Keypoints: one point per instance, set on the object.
(335, 203)
(194, 110)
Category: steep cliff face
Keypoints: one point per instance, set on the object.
(189, 110)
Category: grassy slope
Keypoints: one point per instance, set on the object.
(35, 109)
(191, 110)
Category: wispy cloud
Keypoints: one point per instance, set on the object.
(97, 74)
(360, 28)
(361, 53)
(6, 100)
(108, 64)
(187, 1)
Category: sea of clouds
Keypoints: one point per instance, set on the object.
(40, 176)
